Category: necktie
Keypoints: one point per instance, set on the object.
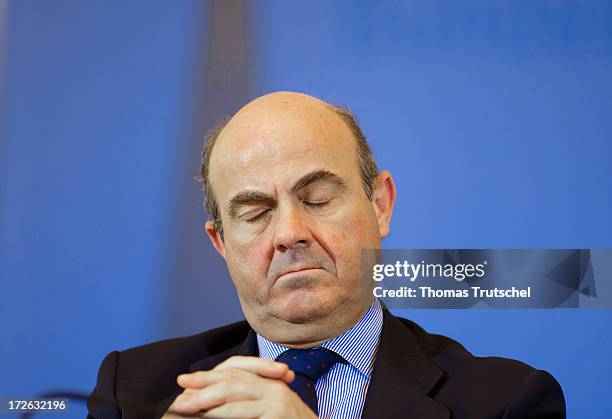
(309, 365)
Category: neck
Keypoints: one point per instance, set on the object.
(308, 335)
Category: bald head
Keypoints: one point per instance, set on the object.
(268, 112)
(256, 129)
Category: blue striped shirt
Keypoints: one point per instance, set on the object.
(342, 390)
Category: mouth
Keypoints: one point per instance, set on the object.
(296, 271)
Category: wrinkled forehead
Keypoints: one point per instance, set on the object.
(268, 145)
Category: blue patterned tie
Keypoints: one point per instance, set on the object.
(309, 365)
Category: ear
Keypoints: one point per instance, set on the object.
(215, 237)
(383, 201)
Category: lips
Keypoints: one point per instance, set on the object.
(297, 269)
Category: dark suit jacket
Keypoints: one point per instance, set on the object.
(416, 375)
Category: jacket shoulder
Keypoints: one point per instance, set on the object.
(450, 354)
(491, 383)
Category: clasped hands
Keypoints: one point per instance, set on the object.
(240, 387)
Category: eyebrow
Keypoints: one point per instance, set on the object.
(316, 176)
(246, 197)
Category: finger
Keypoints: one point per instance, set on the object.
(236, 410)
(266, 368)
(201, 379)
(260, 366)
(226, 391)
(173, 415)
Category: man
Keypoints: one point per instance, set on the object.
(294, 195)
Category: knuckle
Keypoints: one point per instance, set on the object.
(235, 359)
(230, 362)
(234, 373)
(225, 385)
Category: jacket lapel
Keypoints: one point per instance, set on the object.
(247, 348)
(402, 377)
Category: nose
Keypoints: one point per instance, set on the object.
(291, 230)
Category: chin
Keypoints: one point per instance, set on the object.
(305, 307)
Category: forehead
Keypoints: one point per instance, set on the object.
(271, 144)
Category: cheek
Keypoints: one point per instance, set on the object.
(247, 264)
(347, 239)
(359, 228)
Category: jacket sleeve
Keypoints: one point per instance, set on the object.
(540, 397)
(102, 402)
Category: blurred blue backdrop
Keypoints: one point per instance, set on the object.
(495, 119)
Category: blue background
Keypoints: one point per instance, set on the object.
(495, 119)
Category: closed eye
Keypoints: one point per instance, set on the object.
(316, 204)
(257, 217)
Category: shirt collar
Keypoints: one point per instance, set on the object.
(357, 345)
